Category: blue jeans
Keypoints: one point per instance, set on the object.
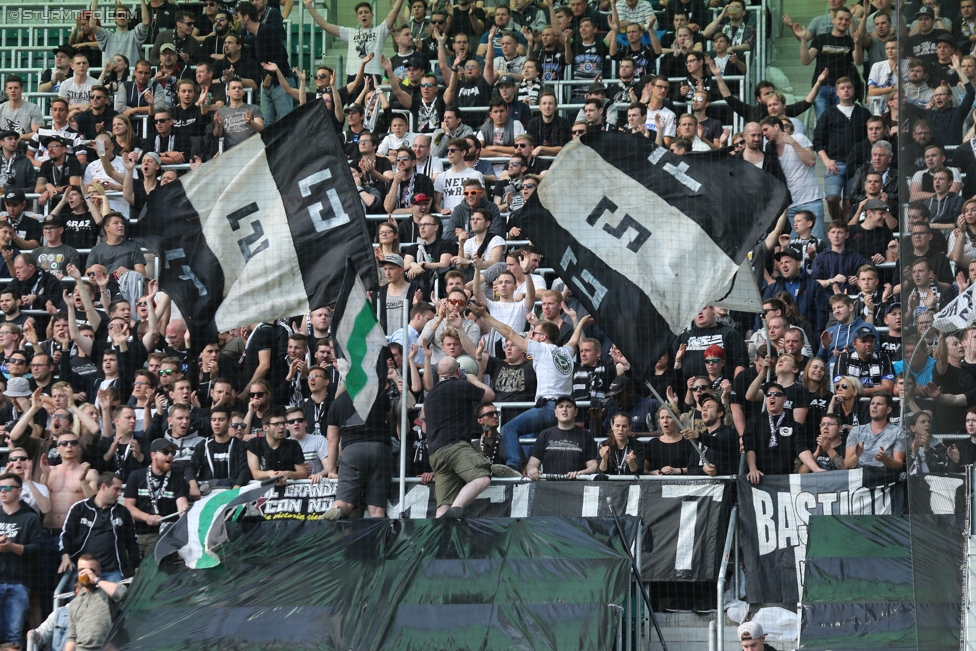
(816, 207)
(825, 98)
(834, 184)
(14, 598)
(275, 104)
(529, 423)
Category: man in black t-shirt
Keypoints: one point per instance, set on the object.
(564, 449)
(460, 471)
(154, 493)
(273, 455)
(773, 440)
(512, 378)
(366, 461)
(265, 342)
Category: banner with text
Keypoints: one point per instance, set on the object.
(774, 516)
(683, 520)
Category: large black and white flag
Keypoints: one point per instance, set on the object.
(646, 239)
(261, 231)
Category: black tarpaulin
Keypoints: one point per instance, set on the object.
(537, 583)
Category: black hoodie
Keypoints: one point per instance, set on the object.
(23, 528)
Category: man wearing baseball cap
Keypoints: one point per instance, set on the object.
(27, 227)
(866, 363)
(397, 295)
(565, 449)
(59, 171)
(51, 78)
(753, 638)
(809, 295)
(55, 255)
(155, 493)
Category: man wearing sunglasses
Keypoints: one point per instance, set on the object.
(773, 440)
(407, 183)
(180, 38)
(20, 546)
(154, 493)
(315, 447)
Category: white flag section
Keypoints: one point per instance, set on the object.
(358, 340)
(270, 283)
(656, 270)
(744, 294)
(959, 314)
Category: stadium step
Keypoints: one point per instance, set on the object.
(689, 632)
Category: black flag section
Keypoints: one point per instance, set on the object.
(262, 231)
(650, 238)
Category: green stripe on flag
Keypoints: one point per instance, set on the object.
(357, 348)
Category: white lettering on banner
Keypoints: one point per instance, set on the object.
(762, 504)
(414, 502)
(688, 522)
(589, 286)
(591, 502)
(679, 245)
(192, 277)
(520, 500)
(633, 501)
(315, 210)
(173, 254)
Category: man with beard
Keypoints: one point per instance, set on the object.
(407, 183)
(719, 444)
(154, 493)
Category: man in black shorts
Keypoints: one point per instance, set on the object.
(460, 471)
(366, 462)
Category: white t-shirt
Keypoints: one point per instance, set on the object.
(392, 143)
(800, 179)
(75, 93)
(471, 247)
(537, 280)
(667, 117)
(315, 447)
(362, 42)
(451, 185)
(553, 369)
(511, 314)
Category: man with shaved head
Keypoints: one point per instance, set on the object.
(460, 471)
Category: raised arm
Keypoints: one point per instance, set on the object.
(489, 71)
(392, 16)
(405, 98)
(321, 22)
(578, 332)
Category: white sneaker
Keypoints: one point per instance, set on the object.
(334, 513)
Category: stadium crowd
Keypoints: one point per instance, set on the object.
(112, 430)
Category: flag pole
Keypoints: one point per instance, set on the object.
(769, 349)
(405, 377)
